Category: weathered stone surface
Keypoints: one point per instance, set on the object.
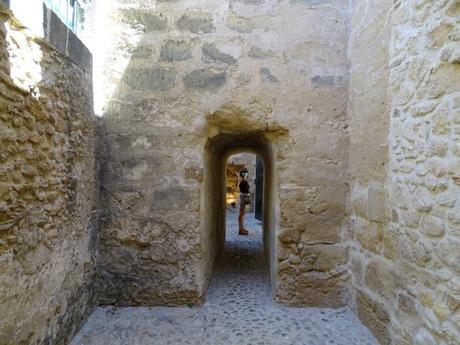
(212, 54)
(407, 150)
(325, 258)
(407, 303)
(315, 286)
(48, 188)
(159, 121)
(260, 54)
(251, 2)
(424, 337)
(204, 80)
(453, 9)
(176, 51)
(375, 316)
(150, 79)
(147, 20)
(240, 24)
(196, 22)
(288, 236)
(376, 202)
(380, 279)
(310, 2)
(267, 76)
(433, 226)
(327, 81)
(143, 52)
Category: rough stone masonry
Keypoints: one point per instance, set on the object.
(48, 188)
(177, 75)
(353, 105)
(405, 257)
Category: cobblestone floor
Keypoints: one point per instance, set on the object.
(238, 310)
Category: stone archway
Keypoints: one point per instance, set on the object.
(217, 150)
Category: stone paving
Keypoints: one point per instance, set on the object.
(238, 310)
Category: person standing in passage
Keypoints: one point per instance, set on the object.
(244, 199)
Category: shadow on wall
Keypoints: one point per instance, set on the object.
(155, 248)
(48, 189)
(150, 252)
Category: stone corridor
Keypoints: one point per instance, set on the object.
(117, 120)
(239, 309)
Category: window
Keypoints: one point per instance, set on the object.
(69, 11)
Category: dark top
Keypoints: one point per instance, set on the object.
(244, 186)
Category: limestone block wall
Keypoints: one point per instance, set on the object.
(405, 254)
(175, 74)
(48, 189)
(368, 160)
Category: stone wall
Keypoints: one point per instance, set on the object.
(184, 85)
(176, 74)
(48, 189)
(405, 256)
(368, 159)
(424, 171)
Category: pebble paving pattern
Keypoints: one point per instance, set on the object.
(239, 309)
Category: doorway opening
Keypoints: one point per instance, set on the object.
(225, 155)
(243, 232)
(254, 165)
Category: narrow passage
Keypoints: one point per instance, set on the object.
(239, 310)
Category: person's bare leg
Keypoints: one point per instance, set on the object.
(242, 230)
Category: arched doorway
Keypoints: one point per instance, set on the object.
(217, 151)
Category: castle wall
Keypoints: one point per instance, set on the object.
(404, 100)
(48, 186)
(178, 73)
